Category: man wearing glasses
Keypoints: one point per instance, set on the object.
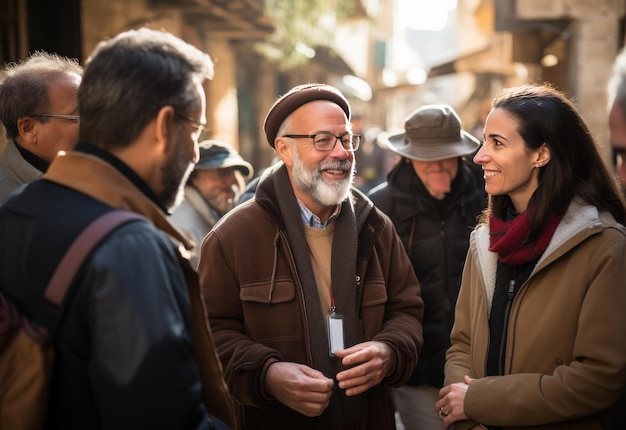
(128, 351)
(38, 109)
(313, 303)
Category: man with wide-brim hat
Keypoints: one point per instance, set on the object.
(433, 196)
(212, 190)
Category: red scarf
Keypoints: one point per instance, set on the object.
(506, 237)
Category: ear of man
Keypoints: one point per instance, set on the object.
(284, 150)
(165, 131)
(27, 133)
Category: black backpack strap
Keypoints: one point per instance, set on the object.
(81, 247)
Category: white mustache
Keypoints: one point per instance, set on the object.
(335, 165)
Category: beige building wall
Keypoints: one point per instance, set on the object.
(593, 46)
(222, 113)
(102, 19)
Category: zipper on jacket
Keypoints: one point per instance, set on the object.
(507, 311)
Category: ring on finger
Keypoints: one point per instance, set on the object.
(442, 412)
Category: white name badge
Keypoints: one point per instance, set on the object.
(335, 332)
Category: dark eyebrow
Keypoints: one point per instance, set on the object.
(497, 136)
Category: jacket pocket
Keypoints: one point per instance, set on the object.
(281, 292)
(373, 308)
(271, 314)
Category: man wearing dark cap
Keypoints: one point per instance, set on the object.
(313, 303)
(211, 191)
(433, 196)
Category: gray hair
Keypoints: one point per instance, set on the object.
(24, 86)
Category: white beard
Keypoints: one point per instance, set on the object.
(325, 193)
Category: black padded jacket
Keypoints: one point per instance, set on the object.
(436, 237)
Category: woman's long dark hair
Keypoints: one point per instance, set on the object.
(575, 168)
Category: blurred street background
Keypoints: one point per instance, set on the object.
(388, 56)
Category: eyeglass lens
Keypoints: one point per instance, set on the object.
(326, 142)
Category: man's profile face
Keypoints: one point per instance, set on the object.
(176, 170)
(617, 130)
(58, 134)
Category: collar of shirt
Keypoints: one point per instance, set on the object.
(37, 162)
(123, 168)
(312, 220)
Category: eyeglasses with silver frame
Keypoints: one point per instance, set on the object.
(200, 126)
(73, 118)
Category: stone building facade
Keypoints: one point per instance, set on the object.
(570, 43)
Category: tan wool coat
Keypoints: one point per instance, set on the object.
(566, 350)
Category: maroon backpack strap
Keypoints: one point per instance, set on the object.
(84, 243)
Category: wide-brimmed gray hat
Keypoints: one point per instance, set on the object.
(219, 155)
(431, 132)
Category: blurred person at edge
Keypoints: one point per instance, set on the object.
(617, 116)
(314, 306)
(433, 195)
(538, 337)
(373, 159)
(617, 131)
(39, 111)
(133, 349)
(212, 190)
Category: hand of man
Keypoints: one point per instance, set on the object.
(299, 387)
(369, 363)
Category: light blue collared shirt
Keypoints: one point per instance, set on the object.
(312, 220)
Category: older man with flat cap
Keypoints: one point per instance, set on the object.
(212, 190)
(433, 195)
(313, 303)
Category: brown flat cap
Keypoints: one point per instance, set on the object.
(297, 97)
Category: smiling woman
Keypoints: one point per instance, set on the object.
(553, 233)
(509, 165)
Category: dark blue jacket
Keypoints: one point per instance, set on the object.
(123, 353)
